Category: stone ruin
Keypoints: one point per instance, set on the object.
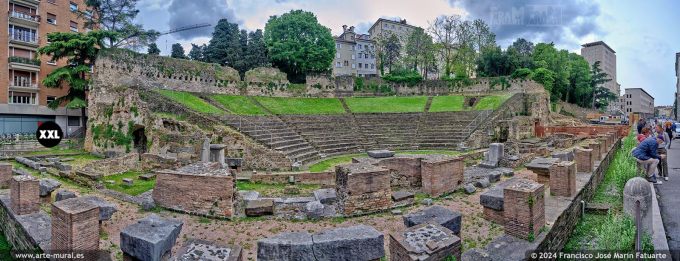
(202, 250)
(24, 194)
(75, 225)
(204, 188)
(150, 239)
(362, 188)
(426, 242)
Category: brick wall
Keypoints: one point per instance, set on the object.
(493, 215)
(404, 171)
(585, 160)
(441, 175)
(75, 225)
(24, 195)
(5, 174)
(563, 179)
(597, 148)
(321, 178)
(202, 195)
(524, 209)
(362, 188)
(589, 130)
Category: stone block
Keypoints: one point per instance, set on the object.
(362, 188)
(482, 182)
(247, 195)
(147, 176)
(597, 150)
(47, 186)
(424, 242)
(106, 209)
(314, 209)
(325, 196)
(200, 188)
(585, 160)
(289, 246)
(5, 174)
(541, 166)
(259, 207)
(205, 150)
(63, 194)
(151, 238)
(354, 243)
(380, 154)
(493, 156)
(507, 172)
(563, 179)
(437, 215)
(402, 195)
(196, 249)
(24, 195)
(441, 174)
(494, 176)
(524, 212)
(469, 188)
(63, 166)
(128, 181)
(75, 225)
(563, 155)
(493, 197)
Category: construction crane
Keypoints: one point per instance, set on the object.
(182, 28)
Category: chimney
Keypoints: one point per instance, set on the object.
(403, 21)
(344, 28)
(351, 29)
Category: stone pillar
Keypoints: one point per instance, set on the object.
(493, 156)
(595, 146)
(424, 242)
(75, 225)
(441, 174)
(605, 140)
(151, 238)
(24, 194)
(585, 160)
(638, 189)
(217, 153)
(563, 179)
(565, 155)
(5, 175)
(205, 150)
(604, 147)
(524, 209)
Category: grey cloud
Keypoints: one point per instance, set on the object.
(184, 13)
(537, 20)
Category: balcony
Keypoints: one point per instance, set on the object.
(24, 64)
(23, 86)
(31, 3)
(24, 19)
(24, 38)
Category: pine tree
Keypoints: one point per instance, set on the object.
(225, 47)
(153, 49)
(256, 51)
(196, 53)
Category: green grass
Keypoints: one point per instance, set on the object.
(239, 104)
(445, 152)
(281, 105)
(58, 150)
(616, 230)
(5, 247)
(138, 187)
(491, 102)
(387, 104)
(447, 103)
(331, 162)
(192, 102)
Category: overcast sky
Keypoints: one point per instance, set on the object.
(645, 36)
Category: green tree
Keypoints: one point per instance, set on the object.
(445, 29)
(519, 54)
(493, 62)
(225, 47)
(419, 48)
(297, 44)
(197, 52)
(178, 51)
(546, 78)
(153, 49)
(388, 48)
(580, 92)
(80, 51)
(601, 96)
(256, 50)
(118, 16)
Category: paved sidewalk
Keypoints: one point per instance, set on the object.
(669, 199)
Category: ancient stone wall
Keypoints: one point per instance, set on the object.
(405, 172)
(441, 175)
(195, 194)
(17, 233)
(326, 178)
(362, 188)
(586, 131)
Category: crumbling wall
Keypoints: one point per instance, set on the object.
(195, 194)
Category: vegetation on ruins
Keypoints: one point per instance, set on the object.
(80, 51)
(178, 51)
(408, 77)
(118, 16)
(297, 44)
(139, 186)
(191, 101)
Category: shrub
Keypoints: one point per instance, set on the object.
(521, 73)
(409, 77)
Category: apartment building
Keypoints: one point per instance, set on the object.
(354, 54)
(383, 27)
(23, 99)
(637, 100)
(600, 51)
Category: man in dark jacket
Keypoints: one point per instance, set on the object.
(646, 153)
(641, 124)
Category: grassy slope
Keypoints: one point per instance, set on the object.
(447, 103)
(615, 231)
(239, 104)
(491, 102)
(279, 105)
(192, 102)
(387, 104)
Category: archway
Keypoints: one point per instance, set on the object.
(139, 140)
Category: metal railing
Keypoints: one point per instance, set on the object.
(25, 16)
(24, 60)
(24, 37)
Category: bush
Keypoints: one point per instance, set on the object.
(521, 73)
(409, 77)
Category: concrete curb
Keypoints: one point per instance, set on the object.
(658, 232)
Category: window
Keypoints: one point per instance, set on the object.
(337, 55)
(51, 99)
(346, 63)
(353, 57)
(51, 18)
(338, 45)
(74, 26)
(366, 55)
(365, 66)
(359, 65)
(359, 46)
(354, 66)
(73, 121)
(337, 64)
(73, 6)
(365, 46)
(372, 66)
(22, 97)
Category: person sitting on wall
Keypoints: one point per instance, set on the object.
(644, 133)
(647, 154)
(641, 124)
